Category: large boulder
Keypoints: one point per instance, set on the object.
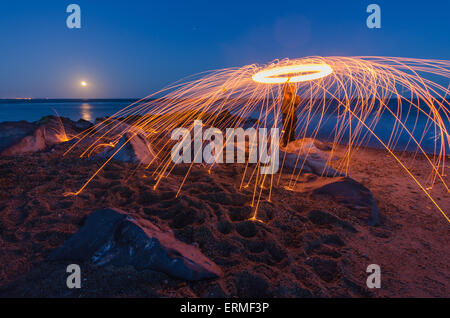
(308, 155)
(11, 133)
(112, 237)
(124, 142)
(131, 147)
(353, 194)
(309, 147)
(22, 137)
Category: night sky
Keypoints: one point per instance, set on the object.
(133, 48)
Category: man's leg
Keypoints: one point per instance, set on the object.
(293, 125)
(285, 121)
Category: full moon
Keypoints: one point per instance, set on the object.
(83, 83)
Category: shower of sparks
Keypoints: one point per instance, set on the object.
(355, 89)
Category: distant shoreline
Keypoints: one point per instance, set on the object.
(64, 100)
(68, 100)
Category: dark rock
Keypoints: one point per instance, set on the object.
(83, 124)
(353, 194)
(131, 147)
(22, 137)
(305, 154)
(112, 237)
(12, 132)
(122, 142)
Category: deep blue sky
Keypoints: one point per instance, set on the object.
(132, 48)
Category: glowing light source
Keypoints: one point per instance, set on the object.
(83, 83)
(291, 73)
(86, 111)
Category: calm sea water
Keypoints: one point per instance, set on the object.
(32, 110)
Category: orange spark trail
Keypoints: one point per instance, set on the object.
(355, 93)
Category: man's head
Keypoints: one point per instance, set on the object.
(289, 88)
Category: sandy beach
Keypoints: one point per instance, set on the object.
(307, 245)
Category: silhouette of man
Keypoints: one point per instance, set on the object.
(289, 112)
